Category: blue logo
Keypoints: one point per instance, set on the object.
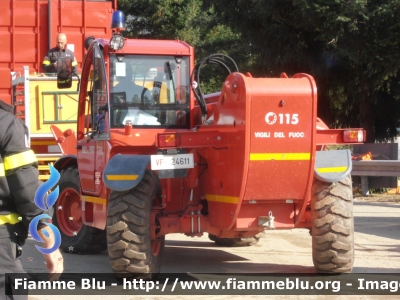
(41, 197)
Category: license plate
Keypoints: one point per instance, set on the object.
(169, 162)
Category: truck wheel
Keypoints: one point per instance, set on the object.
(75, 237)
(235, 242)
(333, 226)
(131, 228)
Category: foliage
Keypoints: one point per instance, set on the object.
(351, 47)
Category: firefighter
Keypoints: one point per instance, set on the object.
(18, 185)
(49, 64)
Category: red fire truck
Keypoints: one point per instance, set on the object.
(28, 29)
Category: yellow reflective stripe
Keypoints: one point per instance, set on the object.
(19, 160)
(12, 219)
(91, 199)
(221, 198)
(332, 169)
(46, 62)
(2, 172)
(122, 177)
(280, 156)
(74, 63)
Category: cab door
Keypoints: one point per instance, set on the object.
(93, 129)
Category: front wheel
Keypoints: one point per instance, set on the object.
(132, 246)
(75, 236)
(333, 226)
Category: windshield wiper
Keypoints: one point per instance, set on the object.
(169, 69)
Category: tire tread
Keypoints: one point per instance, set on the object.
(332, 226)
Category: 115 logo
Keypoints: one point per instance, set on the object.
(271, 118)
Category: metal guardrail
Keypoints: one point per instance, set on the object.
(376, 168)
(365, 168)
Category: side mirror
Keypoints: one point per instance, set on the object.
(64, 73)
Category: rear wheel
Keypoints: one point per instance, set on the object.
(235, 242)
(333, 226)
(131, 229)
(75, 237)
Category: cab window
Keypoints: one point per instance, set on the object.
(149, 91)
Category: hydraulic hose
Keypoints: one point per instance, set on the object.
(217, 59)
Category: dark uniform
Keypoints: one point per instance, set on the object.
(52, 56)
(18, 185)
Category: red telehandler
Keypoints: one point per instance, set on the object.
(151, 155)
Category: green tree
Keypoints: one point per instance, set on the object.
(349, 46)
(366, 52)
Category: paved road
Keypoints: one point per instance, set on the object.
(377, 245)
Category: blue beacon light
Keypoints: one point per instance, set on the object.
(118, 20)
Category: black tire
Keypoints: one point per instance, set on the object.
(333, 226)
(131, 249)
(75, 237)
(235, 242)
